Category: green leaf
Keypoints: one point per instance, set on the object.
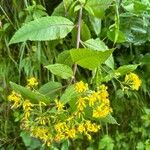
(120, 36)
(146, 59)
(126, 69)
(119, 72)
(69, 94)
(96, 44)
(42, 29)
(110, 119)
(99, 45)
(88, 58)
(30, 142)
(96, 24)
(61, 70)
(97, 7)
(59, 10)
(106, 143)
(65, 58)
(50, 89)
(34, 97)
(85, 32)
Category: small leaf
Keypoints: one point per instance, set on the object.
(69, 94)
(110, 119)
(50, 89)
(96, 44)
(61, 70)
(97, 7)
(65, 58)
(34, 97)
(42, 29)
(96, 24)
(88, 58)
(126, 69)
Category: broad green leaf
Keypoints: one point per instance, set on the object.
(67, 4)
(99, 45)
(51, 89)
(120, 36)
(65, 58)
(126, 69)
(30, 142)
(88, 58)
(96, 44)
(34, 97)
(69, 94)
(97, 7)
(146, 59)
(59, 10)
(61, 70)
(85, 32)
(96, 24)
(42, 29)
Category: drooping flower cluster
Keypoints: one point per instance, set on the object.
(54, 122)
(133, 81)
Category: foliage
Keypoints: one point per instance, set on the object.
(49, 50)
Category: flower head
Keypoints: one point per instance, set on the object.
(59, 105)
(81, 87)
(15, 98)
(32, 82)
(133, 81)
(81, 104)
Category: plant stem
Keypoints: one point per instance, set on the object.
(78, 40)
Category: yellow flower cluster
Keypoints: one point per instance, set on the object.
(133, 81)
(32, 82)
(103, 104)
(87, 127)
(27, 107)
(63, 131)
(52, 123)
(81, 87)
(98, 101)
(59, 105)
(15, 98)
(42, 133)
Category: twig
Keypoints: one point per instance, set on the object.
(78, 41)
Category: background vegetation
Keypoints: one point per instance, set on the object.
(124, 25)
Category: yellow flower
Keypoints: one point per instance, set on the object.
(88, 136)
(42, 120)
(102, 92)
(81, 87)
(92, 127)
(101, 111)
(27, 107)
(59, 137)
(133, 81)
(32, 82)
(71, 133)
(81, 128)
(41, 133)
(92, 98)
(81, 104)
(15, 98)
(59, 105)
(60, 127)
